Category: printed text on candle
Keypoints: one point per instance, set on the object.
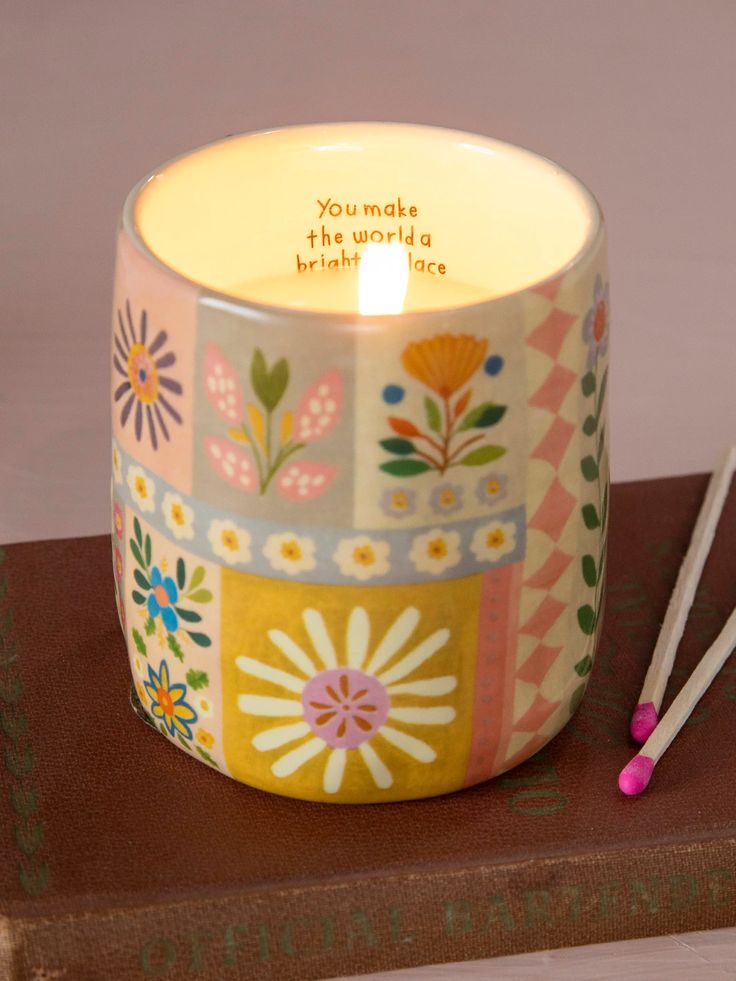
(343, 228)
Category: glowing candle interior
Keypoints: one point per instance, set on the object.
(285, 217)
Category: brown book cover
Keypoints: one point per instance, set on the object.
(123, 858)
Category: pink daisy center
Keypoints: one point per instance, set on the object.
(345, 707)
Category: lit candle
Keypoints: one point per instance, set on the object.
(283, 218)
(360, 465)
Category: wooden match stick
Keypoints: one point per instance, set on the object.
(646, 713)
(636, 775)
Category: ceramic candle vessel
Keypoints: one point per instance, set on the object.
(357, 558)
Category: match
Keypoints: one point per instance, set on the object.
(646, 714)
(636, 775)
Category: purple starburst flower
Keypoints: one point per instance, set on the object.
(145, 391)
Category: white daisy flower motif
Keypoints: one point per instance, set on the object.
(435, 550)
(345, 704)
(290, 553)
(493, 540)
(179, 517)
(142, 488)
(203, 706)
(117, 464)
(229, 542)
(362, 557)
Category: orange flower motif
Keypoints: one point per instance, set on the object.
(444, 362)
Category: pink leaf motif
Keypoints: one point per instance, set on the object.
(231, 464)
(319, 408)
(304, 481)
(221, 385)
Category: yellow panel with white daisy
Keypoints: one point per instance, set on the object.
(348, 693)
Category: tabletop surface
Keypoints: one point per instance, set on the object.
(634, 98)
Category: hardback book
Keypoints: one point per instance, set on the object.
(123, 858)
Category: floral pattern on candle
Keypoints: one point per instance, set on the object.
(173, 610)
(446, 437)
(166, 600)
(262, 435)
(145, 391)
(334, 702)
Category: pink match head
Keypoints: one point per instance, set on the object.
(643, 721)
(636, 775)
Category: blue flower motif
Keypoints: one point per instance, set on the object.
(595, 325)
(398, 502)
(161, 599)
(446, 498)
(168, 702)
(491, 487)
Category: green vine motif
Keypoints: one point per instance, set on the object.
(28, 829)
(166, 600)
(594, 515)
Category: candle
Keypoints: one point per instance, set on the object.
(359, 460)
(283, 218)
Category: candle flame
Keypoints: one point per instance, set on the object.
(383, 279)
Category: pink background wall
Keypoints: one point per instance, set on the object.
(636, 97)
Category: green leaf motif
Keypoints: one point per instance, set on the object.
(587, 383)
(30, 838)
(200, 596)
(197, 679)
(34, 880)
(405, 468)
(139, 643)
(601, 444)
(577, 697)
(197, 577)
(590, 516)
(150, 627)
(189, 616)
(268, 386)
(434, 417)
(401, 447)
(584, 666)
(137, 531)
(141, 579)
(259, 373)
(590, 575)
(181, 573)
(147, 552)
(201, 640)
(138, 597)
(483, 415)
(206, 757)
(590, 425)
(601, 394)
(23, 800)
(137, 554)
(484, 454)
(277, 382)
(174, 647)
(14, 723)
(586, 618)
(19, 762)
(589, 468)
